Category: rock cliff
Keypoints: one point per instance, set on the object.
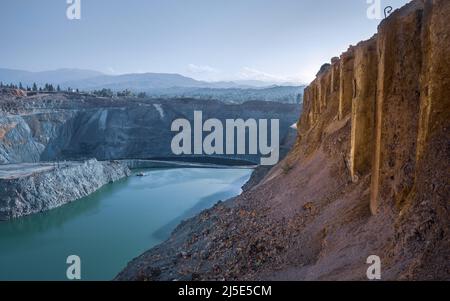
(368, 175)
(31, 188)
(76, 127)
(394, 90)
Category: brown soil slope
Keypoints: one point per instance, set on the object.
(369, 175)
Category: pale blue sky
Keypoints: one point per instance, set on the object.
(205, 39)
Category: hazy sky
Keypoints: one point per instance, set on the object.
(205, 39)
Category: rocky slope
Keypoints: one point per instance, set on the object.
(367, 176)
(32, 188)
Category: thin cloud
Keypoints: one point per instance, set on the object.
(204, 72)
(111, 70)
(248, 73)
(192, 68)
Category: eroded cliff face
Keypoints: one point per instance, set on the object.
(31, 188)
(394, 95)
(394, 91)
(368, 174)
(70, 127)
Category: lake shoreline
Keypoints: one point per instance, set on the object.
(29, 188)
(174, 163)
(97, 228)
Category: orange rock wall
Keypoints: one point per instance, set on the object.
(395, 91)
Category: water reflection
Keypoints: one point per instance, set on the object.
(56, 218)
(113, 225)
(205, 202)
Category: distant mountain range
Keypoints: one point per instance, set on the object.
(157, 85)
(55, 77)
(92, 80)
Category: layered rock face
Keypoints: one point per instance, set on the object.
(32, 188)
(58, 127)
(395, 94)
(394, 89)
(368, 175)
(16, 141)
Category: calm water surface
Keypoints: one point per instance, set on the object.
(110, 227)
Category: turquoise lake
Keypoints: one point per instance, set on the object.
(112, 226)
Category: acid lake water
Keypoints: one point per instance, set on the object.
(112, 226)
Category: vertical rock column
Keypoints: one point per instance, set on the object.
(397, 106)
(346, 83)
(306, 120)
(324, 90)
(435, 80)
(363, 108)
(335, 75)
